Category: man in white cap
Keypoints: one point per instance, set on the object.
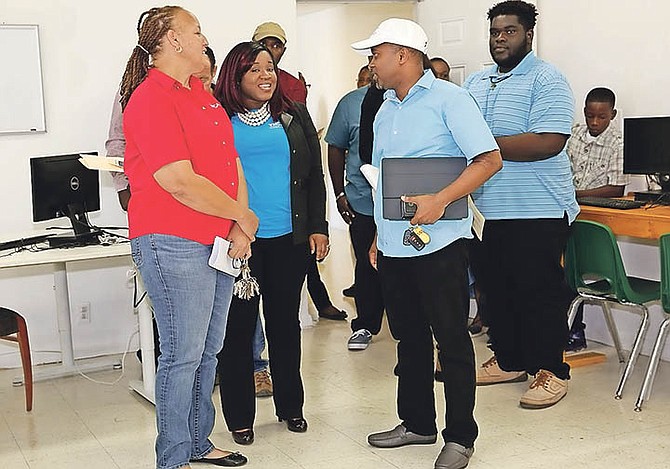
(273, 36)
(425, 284)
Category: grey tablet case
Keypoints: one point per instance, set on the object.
(414, 176)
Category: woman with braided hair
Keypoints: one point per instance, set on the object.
(188, 188)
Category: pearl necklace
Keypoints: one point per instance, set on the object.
(255, 118)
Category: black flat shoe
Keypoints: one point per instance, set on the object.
(243, 437)
(297, 425)
(232, 460)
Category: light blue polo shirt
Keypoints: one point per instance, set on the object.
(533, 97)
(343, 133)
(265, 156)
(436, 118)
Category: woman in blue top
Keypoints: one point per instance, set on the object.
(281, 157)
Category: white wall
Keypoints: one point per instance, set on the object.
(85, 46)
(329, 64)
(614, 43)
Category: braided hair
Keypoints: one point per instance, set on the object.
(152, 26)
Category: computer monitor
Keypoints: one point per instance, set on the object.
(646, 148)
(63, 187)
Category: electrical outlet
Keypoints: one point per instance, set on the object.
(85, 312)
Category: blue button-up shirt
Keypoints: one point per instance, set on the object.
(436, 118)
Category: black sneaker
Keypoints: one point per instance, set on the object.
(576, 342)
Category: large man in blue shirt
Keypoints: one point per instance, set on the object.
(528, 207)
(427, 290)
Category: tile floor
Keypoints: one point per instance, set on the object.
(76, 423)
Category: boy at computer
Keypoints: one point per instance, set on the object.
(596, 155)
(596, 149)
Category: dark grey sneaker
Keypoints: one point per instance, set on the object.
(454, 456)
(359, 340)
(399, 436)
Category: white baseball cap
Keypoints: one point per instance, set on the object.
(395, 31)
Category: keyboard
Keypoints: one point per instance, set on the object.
(618, 204)
(23, 242)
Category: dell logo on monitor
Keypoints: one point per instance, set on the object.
(74, 183)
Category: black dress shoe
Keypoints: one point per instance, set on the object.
(243, 437)
(331, 312)
(232, 460)
(297, 425)
(349, 292)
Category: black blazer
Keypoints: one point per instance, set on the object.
(308, 191)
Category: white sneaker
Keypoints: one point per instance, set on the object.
(359, 340)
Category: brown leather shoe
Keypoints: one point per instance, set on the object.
(491, 373)
(545, 391)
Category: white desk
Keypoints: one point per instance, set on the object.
(59, 259)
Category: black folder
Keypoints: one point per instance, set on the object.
(420, 175)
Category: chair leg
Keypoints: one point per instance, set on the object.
(611, 325)
(26, 362)
(572, 310)
(637, 346)
(645, 390)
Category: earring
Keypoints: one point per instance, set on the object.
(179, 49)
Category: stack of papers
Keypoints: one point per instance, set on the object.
(102, 163)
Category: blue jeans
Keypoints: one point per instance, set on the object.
(260, 364)
(191, 303)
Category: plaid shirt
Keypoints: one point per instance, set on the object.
(598, 162)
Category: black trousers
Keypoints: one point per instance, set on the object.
(280, 267)
(315, 286)
(368, 298)
(518, 268)
(427, 296)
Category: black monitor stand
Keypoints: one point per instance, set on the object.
(660, 197)
(84, 234)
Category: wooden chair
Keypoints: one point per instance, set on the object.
(13, 328)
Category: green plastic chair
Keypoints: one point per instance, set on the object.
(594, 270)
(645, 390)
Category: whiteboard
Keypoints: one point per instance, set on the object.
(21, 91)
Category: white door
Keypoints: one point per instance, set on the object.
(458, 31)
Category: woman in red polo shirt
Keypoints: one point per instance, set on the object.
(188, 188)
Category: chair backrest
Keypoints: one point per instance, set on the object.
(8, 322)
(592, 253)
(664, 245)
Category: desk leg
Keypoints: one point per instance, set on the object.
(63, 315)
(67, 366)
(145, 387)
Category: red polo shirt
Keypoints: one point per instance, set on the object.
(165, 122)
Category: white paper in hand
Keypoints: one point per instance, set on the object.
(220, 260)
